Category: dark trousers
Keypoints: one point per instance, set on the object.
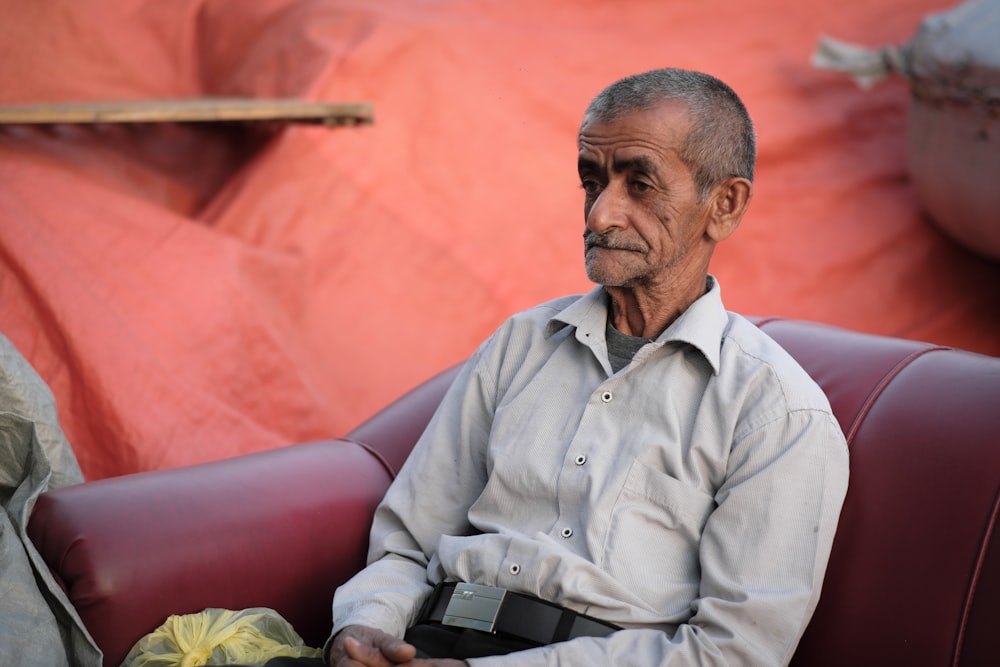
(434, 640)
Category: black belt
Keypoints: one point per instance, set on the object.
(500, 611)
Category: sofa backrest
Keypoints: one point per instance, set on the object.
(914, 577)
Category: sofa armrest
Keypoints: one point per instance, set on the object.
(279, 529)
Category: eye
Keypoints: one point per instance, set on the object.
(590, 186)
(640, 187)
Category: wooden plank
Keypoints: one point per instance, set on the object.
(197, 110)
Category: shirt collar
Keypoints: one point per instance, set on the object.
(701, 326)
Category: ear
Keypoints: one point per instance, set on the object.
(728, 201)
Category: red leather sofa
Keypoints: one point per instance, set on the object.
(914, 578)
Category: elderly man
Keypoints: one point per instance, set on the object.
(632, 476)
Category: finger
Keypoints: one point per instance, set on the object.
(364, 654)
(342, 659)
(385, 652)
(398, 650)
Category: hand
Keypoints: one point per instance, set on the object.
(361, 646)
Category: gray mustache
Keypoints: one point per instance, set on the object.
(595, 240)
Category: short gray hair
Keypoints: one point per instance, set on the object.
(721, 143)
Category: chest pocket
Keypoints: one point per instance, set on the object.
(654, 535)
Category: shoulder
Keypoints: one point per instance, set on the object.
(751, 357)
(779, 401)
(541, 320)
(545, 311)
(526, 332)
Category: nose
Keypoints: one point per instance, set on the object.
(609, 210)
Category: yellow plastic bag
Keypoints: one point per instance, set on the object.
(219, 637)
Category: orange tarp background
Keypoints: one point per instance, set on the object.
(196, 292)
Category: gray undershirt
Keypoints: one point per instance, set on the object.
(621, 347)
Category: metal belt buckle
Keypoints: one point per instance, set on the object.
(474, 606)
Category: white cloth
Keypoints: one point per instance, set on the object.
(691, 497)
(38, 625)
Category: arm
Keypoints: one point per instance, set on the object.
(439, 481)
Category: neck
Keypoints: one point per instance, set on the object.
(638, 311)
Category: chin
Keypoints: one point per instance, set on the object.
(610, 278)
(605, 270)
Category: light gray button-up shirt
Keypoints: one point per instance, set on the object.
(691, 498)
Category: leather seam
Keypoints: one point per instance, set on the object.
(880, 388)
(974, 579)
(375, 453)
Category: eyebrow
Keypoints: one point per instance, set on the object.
(637, 163)
(586, 164)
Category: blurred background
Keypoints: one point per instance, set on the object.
(195, 291)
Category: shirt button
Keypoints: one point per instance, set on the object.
(607, 396)
(515, 569)
(567, 532)
(581, 459)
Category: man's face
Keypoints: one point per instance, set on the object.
(645, 225)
